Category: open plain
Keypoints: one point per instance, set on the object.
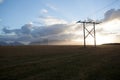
(60, 62)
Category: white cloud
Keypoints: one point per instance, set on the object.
(111, 21)
(44, 11)
(109, 28)
(49, 20)
(51, 6)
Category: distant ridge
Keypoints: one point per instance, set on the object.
(2, 43)
(111, 44)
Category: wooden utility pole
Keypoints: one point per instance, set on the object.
(89, 32)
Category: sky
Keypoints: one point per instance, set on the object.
(54, 21)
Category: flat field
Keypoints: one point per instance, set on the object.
(60, 63)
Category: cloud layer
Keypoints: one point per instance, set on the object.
(54, 32)
(112, 14)
(57, 30)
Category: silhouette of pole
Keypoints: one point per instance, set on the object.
(94, 35)
(89, 32)
(84, 34)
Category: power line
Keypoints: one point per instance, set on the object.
(99, 10)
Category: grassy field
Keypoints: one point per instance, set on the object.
(60, 63)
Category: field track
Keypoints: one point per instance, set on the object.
(60, 63)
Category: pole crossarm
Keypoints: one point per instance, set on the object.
(88, 22)
(89, 32)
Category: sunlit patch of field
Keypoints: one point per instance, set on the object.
(60, 63)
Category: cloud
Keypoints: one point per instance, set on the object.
(44, 11)
(107, 31)
(22, 34)
(26, 29)
(51, 6)
(110, 22)
(57, 30)
(31, 33)
(110, 27)
(112, 14)
(49, 20)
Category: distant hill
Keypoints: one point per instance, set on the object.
(45, 42)
(38, 43)
(15, 44)
(111, 44)
(2, 43)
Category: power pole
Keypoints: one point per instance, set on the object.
(89, 31)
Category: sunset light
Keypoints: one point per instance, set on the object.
(54, 22)
(104, 39)
(59, 39)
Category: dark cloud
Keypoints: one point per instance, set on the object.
(7, 38)
(32, 33)
(49, 30)
(26, 29)
(6, 30)
(112, 14)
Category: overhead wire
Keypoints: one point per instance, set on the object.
(99, 10)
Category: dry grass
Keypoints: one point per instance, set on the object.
(60, 63)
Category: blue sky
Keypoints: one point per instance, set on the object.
(16, 13)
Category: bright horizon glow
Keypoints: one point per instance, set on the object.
(99, 40)
(106, 36)
(103, 39)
